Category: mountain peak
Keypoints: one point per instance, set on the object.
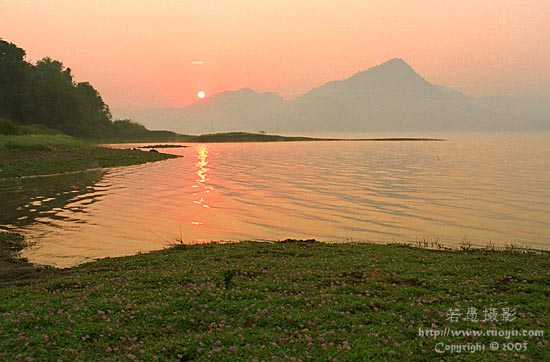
(246, 90)
(396, 61)
(394, 65)
(246, 94)
(393, 73)
(239, 92)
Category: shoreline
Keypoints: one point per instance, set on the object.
(12, 265)
(14, 270)
(31, 156)
(40, 155)
(244, 137)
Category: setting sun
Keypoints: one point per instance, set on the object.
(201, 94)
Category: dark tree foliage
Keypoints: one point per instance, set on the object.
(13, 73)
(94, 112)
(55, 98)
(46, 94)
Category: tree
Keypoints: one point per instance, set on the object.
(95, 113)
(46, 94)
(13, 73)
(55, 101)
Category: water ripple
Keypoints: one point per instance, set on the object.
(490, 191)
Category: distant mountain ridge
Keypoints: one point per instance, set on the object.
(391, 74)
(387, 97)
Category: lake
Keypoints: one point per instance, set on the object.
(478, 189)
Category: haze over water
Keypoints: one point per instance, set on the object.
(482, 188)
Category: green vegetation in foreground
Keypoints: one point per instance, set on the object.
(10, 128)
(28, 155)
(265, 301)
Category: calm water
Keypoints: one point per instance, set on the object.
(479, 187)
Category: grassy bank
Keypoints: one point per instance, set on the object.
(26, 155)
(262, 301)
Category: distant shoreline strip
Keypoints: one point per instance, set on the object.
(388, 139)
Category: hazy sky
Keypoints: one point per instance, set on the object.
(140, 53)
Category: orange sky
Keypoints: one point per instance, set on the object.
(139, 53)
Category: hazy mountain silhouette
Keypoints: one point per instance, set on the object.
(241, 110)
(387, 97)
(517, 114)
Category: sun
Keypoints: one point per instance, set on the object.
(201, 94)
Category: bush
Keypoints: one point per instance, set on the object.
(37, 129)
(7, 127)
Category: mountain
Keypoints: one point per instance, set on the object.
(242, 110)
(518, 114)
(388, 97)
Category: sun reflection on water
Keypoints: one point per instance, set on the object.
(201, 189)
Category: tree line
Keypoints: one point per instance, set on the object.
(46, 94)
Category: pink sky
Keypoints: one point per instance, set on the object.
(139, 53)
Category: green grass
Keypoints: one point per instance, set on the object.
(26, 155)
(39, 142)
(153, 138)
(8, 127)
(276, 301)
